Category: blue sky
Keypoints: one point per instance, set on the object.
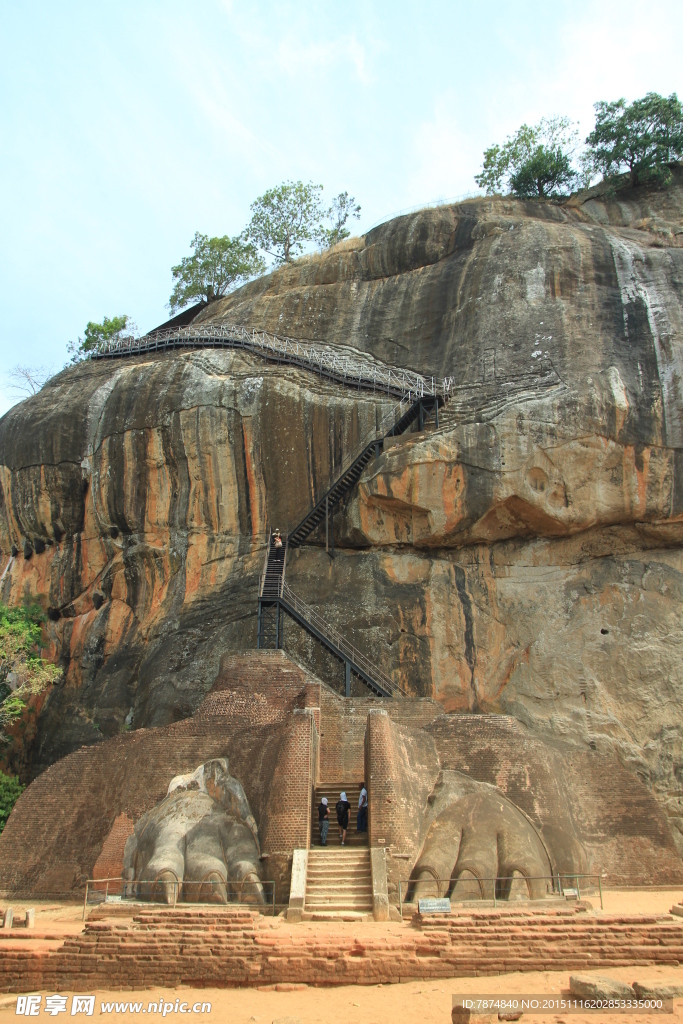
(126, 127)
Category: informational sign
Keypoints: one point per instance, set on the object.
(434, 906)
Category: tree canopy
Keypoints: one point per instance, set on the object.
(22, 671)
(97, 336)
(641, 137)
(343, 206)
(215, 266)
(10, 791)
(285, 218)
(535, 161)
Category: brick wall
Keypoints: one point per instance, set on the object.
(342, 755)
(109, 864)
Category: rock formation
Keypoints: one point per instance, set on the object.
(524, 558)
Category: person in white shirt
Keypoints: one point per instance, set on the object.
(362, 820)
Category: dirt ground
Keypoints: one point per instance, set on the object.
(423, 1002)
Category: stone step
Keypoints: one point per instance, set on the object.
(333, 881)
(338, 853)
(335, 915)
(338, 905)
(352, 889)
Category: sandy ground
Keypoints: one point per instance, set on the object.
(423, 1002)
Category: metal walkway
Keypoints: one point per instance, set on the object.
(351, 369)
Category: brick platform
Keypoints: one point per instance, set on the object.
(223, 948)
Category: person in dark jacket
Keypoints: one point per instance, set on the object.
(343, 807)
(323, 820)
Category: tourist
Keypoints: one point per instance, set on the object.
(343, 807)
(277, 539)
(323, 820)
(362, 820)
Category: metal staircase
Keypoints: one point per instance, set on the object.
(275, 597)
(396, 423)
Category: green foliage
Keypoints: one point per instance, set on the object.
(10, 791)
(535, 161)
(214, 267)
(97, 336)
(343, 206)
(285, 218)
(642, 137)
(20, 635)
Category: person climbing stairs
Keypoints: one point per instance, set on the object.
(332, 790)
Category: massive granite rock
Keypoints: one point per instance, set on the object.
(523, 558)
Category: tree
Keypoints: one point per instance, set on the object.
(215, 266)
(642, 137)
(343, 207)
(285, 218)
(23, 672)
(98, 336)
(10, 791)
(28, 380)
(535, 161)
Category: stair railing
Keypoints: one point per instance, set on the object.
(325, 359)
(347, 649)
(378, 433)
(284, 567)
(265, 563)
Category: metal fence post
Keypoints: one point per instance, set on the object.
(85, 900)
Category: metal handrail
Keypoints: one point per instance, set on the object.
(284, 566)
(326, 359)
(554, 880)
(265, 563)
(343, 645)
(378, 433)
(127, 894)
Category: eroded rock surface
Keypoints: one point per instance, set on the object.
(524, 558)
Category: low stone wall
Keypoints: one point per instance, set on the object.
(223, 948)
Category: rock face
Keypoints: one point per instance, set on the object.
(524, 558)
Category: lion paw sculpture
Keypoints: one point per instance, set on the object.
(199, 844)
(477, 842)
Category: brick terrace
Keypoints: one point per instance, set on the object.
(223, 948)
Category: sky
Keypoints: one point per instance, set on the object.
(125, 127)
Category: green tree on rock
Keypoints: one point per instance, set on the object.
(641, 138)
(10, 791)
(214, 268)
(535, 161)
(285, 218)
(343, 206)
(98, 336)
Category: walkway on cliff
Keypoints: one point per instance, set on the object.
(350, 368)
(416, 395)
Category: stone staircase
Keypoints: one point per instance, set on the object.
(338, 884)
(332, 791)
